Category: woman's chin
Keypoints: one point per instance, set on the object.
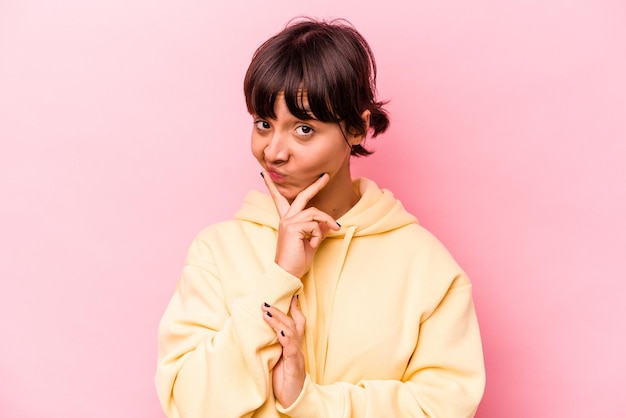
(289, 192)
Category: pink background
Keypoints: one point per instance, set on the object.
(124, 132)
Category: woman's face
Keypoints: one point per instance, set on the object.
(296, 152)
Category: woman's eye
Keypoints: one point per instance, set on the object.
(262, 125)
(304, 130)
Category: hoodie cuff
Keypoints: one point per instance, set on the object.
(276, 287)
(276, 284)
(315, 400)
(299, 403)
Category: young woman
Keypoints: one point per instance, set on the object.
(324, 298)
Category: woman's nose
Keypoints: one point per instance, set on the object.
(277, 149)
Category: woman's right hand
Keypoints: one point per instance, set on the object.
(301, 230)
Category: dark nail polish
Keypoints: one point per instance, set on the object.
(266, 305)
(297, 296)
(322, 175)
(262, 175)
(338, 224)
(269, 314)
(282, 333)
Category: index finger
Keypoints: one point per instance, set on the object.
(282, 205)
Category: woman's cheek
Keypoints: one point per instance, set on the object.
(257, 149)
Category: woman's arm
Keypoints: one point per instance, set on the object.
(214, 359)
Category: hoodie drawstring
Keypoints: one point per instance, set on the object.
(314, 352)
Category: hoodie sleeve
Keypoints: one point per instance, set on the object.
(444, 378)
(214, 359)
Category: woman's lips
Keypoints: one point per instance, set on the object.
(275, 176)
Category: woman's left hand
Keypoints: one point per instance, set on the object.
(289, 373)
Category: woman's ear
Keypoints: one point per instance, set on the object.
(356, 139)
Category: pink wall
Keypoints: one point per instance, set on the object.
(123, 132)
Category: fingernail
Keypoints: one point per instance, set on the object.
(262, 175)
(338, 224)
(282, 333)
(269, 314)
(266, 305)
(322, 175)
(297, 296)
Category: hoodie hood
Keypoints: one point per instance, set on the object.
(376, 212)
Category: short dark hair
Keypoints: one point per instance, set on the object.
(329, 61)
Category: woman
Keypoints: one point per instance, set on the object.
(325, 298)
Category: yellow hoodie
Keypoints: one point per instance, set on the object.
(391, 329)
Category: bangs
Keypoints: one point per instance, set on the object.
(305, 79)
